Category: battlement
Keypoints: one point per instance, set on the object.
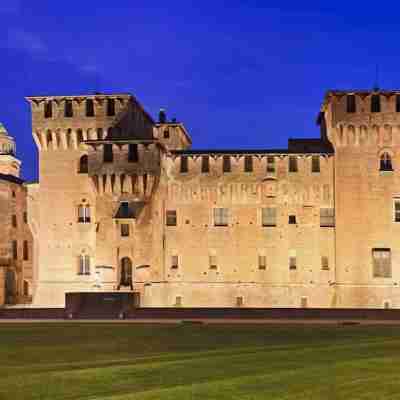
(65, 122)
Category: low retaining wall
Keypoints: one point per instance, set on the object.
(213, 313)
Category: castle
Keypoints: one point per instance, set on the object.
(123, 204)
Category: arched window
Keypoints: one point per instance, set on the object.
(83, 164)
(386, 162)
(84, 264)
(84, 214)
(79, 134)
(126, 272)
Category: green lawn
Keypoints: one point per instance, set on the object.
(129, 361)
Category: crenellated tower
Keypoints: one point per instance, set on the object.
(364, 128)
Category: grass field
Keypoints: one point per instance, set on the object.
(129, 361)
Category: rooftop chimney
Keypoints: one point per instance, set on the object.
(162, 116)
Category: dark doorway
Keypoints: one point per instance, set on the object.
(126, 273)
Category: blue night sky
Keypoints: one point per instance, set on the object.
(246, 74)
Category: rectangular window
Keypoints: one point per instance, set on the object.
(15, 249)
(375, 103)
(248, 164)
(213, 262)
(239, 301)
(25, 250)
(221, 216)
(170, 218)
(293, 262)
(25, 217)
(226, 164)
(351, 103)
(89, 108)
(14, 221)
(397, 102)
(178, 301)
(108, 155)
(205, 164)
(133, 155)
(292, 219)
(315, 164)
(84, 214)
(324, 263)
(382, 263)
(262, 262)
(268, 216)
(396, 209)
(174, 262)
(293, 164)
(110, 107)
(124, 230)
(327, 217)
(84, 264)
(271, 164)
(48, 109)
(184, 164)
(68, 110)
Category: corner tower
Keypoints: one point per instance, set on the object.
(364, 128)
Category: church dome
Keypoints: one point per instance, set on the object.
(7, 143)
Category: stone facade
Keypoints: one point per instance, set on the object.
(124, 204)
(16, 241)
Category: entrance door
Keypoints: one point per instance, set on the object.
(126, 272)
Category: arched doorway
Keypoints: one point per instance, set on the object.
(126, 273)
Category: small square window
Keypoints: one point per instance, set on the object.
(166, 134)
(315, 164)
(174, 262)
(324, 263)
(292, 263)
(269, 216)
(178, 301)
(221, 216)
(396, 210)
(292, 219)
(14, 221)
(170, 218)
(262, 262)
(213, 262)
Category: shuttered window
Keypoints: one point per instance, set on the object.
(84, 264)
(382, 263)
(84, 214)
(269, 216)
(221, 216)
(327, 217)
